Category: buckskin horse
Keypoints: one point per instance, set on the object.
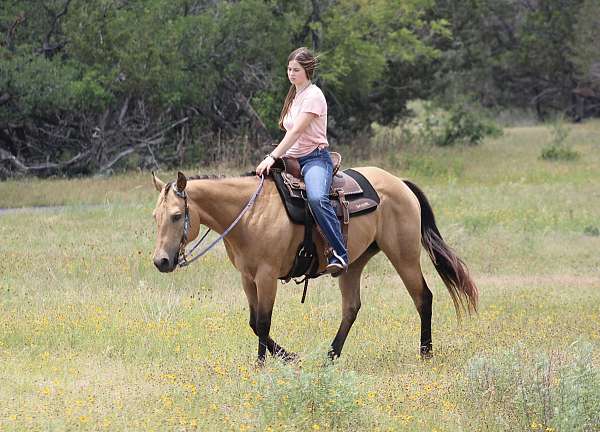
(262, 246)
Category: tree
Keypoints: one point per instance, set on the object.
(90, 84)
(510, 52)
(586, 58)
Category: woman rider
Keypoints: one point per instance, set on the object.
(304, 118)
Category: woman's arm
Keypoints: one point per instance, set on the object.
(288, 141)
(292, 136)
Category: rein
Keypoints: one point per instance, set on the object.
(186, 258)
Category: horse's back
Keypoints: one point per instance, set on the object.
(399, 214)
(389, 187)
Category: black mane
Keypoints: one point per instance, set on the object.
(219, 176)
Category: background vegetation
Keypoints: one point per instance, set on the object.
(91, 86)
(92, 337)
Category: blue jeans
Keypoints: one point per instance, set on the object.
(317, 170)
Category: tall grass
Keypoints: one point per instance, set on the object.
(92, 337)
(538, 390)
(316, 395)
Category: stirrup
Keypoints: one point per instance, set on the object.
(335, 269)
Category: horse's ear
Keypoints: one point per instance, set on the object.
(181, 181)
(158, 183)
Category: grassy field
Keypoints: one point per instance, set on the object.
(92, 337)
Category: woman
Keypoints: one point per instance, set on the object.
(304, 118)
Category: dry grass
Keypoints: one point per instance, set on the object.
(92, 337)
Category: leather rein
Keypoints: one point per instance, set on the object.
(186, 258)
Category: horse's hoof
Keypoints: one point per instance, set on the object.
(286, 356)
(331, 358)
(426, 352)
(289, 357)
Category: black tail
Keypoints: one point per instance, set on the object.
(449, 266)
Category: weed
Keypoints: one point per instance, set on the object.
(555, 152)
(540, 391)
(458, 124)
(558, 149)
(317, 393)
(92, 337)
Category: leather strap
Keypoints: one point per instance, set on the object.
(304, 262)
(346, 214)
(344, 202)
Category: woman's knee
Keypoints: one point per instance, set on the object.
(317, 200)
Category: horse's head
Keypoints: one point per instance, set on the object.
(169, 214)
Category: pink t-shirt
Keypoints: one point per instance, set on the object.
(309, 100)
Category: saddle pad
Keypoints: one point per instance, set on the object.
(359, 204)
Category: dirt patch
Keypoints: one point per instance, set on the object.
(513, 280)
(48, 209)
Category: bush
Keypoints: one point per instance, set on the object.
(558, 149)
(555, 152)
(303, 399)
(465, 127)
(546, 392)
(430, 125)
(459, 124)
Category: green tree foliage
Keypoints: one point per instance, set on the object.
(114, 78)
(371, 51)
(87, 85)
(586, 42)
(510, 52)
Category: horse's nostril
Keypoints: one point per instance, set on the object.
(162, 264)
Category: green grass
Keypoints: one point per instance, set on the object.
(92, 337)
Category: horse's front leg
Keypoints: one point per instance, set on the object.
(262, 314)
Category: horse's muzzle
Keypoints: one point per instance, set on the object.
(165, 265)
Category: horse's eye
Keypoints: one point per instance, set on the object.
(176, 217)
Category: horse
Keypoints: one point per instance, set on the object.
(262, 246)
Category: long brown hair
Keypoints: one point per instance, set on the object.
(309, 63)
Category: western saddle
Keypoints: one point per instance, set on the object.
(351, 195)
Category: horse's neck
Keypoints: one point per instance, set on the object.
(218, 202)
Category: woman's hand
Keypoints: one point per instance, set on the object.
(289, 139)
(265, 165)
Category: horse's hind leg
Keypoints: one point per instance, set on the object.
(350, 287)
(409, 269)
(264, 343)
(422, 299)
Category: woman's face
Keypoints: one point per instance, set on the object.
(296, 73)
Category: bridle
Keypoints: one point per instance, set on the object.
(186, 258)
(186, 221)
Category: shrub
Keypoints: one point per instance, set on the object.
(556, 152)
(558, 149)
(546, 392)
(592, 231)
(299, 399)
(464, 126)
(459, 124)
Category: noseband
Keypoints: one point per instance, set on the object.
(186, 258)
